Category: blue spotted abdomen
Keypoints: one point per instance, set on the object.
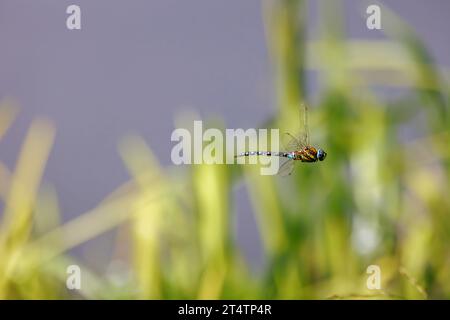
(290, 155)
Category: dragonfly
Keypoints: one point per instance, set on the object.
(298, 149)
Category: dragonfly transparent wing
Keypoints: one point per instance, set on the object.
(286, 167)
(294, 143)
(305, 129)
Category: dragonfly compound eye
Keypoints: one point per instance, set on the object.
(321, 155)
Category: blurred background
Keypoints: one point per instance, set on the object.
(86, 177)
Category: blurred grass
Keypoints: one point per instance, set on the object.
(379, 198)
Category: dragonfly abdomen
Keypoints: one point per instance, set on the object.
(267, 153)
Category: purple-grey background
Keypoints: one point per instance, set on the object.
(135, 64)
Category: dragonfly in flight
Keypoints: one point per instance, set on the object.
(298, 149)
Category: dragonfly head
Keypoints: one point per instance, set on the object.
(321, 155)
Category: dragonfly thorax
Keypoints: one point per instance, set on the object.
(309, 154)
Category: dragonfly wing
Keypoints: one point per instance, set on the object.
(305, 129)
(301, 140)
(293, 143)
(286, 168)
